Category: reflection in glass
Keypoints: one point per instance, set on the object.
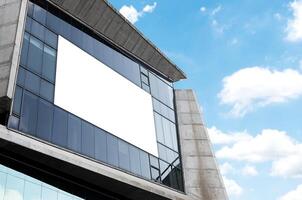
(45, 117)
(74, 133)
(124, 160)
(59, 135)
(112, 150)
(32, 191)
(29, 112)
(14, 188)
(100, 145)
(87, 139)
(35, 55)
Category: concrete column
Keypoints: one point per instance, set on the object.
(201, 174)
(12, 19)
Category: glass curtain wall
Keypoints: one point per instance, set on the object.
(34, 112)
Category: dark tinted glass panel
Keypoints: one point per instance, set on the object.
(100, 145)
(87, 139)
(35, 55)
(51, 39)
(59, 135)
(112, 150)
(145, 165)
(30, 9)
(47, 90)
(49, 63)
(124, 160)
(88, 43)
(53, 23)
(39, 14)
(134, 160)
(37, 30)
(29, 114)
(32, 82)
(17, 100)
(24, 51)
(45, 120)
(21, 76)
(13, 122)
(74, 133)
(77, 37)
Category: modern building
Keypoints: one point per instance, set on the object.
(88, 110)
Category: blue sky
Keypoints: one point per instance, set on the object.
(244, 60)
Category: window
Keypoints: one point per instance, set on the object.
(134, 160)
(74, 133)
(35, 55)
(32, 82)
(24, 50)
(145, 165)
(45, 119)
(60, 123)
(112, 150)
(47, 90)
(49, 63)
(100, 145)
(29, 112)
(124, 160)
(87, 139)
(17, 101)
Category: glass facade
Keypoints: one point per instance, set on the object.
(35, 113)
(17, 186)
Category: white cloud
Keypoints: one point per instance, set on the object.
(294, 25)
(269, 145)
(232, 187)
(226, 168)
(234, 41)
(149, 8)
(293, 195)
(278, 16)
(219, 137)
(216, 10)
(300, 64)
(217, 27)
(254, 87)
(249, 170)
(203, 9)
(133, 15)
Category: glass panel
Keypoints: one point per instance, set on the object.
(74, 133)
(112, 150)
(32, 191)
(45, 119)
(14, 188)
(134, 160)
(100, 145)
(60, 123)
(51, 38)
(77, 37)
(30, 9)
(64, 196)
(167, 132)
(146, 87)
(145, 165)
(37, 30)
(165, 170)
(32, 82)
(124, 160)
(159, 128)
(155, 174)
(24, 50)
(21, 76)
(29, 115)
(2, 184)
(47, 90)
(39, 14)
(144, 71)
(13, 122)
(53, 23)
(35, 55)
(28, 24)
(174, 137)
(154, 161)
(49, 63)
(162, 152)
(17, 100)
(145, 79)
(87, 139)
(49, 194)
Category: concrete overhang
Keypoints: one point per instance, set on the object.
(108, 23)
(70, 166)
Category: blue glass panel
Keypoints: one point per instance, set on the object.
(124, 159)
(159, 128)
(49, 63)
(14, 185)
(28, 24)
(145, 165)
(51, 39)
(100, 145)
(112, 150)
(24, 51)
(32, 191)
(77, 37)
(87, 139)
(134, 160)
(29, 114)
(154, 161)
(21, 76)
(162, 151)
(47, 90)
(17, 100)
(45, 120)
(167, 132)
(35, 55)
(32, 82)
(13, 122)
(53, 23)
(37, 30)
(59, 135)
(174, 137)
(74, 133)
(30, 9)
(39, 14)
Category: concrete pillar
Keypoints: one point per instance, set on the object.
(12, 19)
(201, 174)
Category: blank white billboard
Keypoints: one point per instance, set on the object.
(94, 92)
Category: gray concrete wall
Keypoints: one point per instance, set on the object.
(202, 177)
(12, 17)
